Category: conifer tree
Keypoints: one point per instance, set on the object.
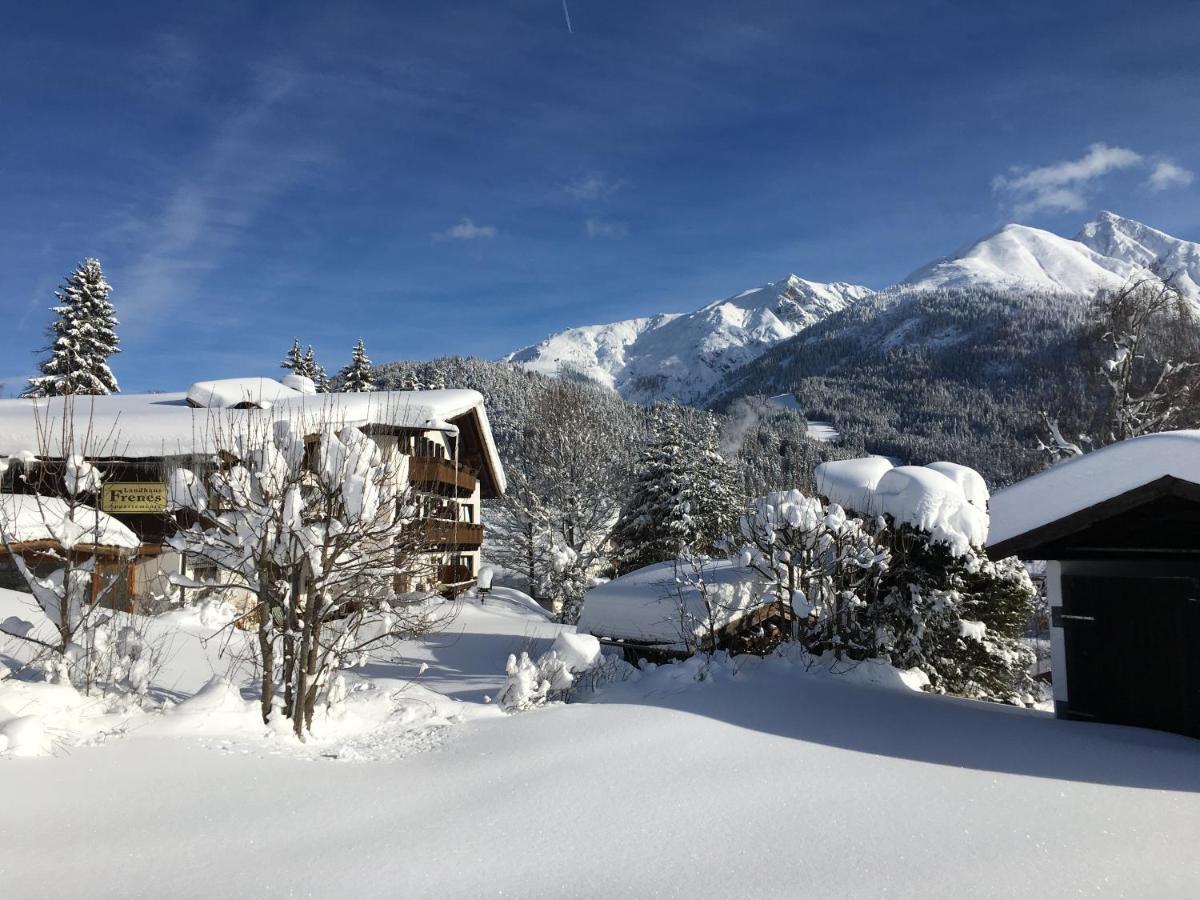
(684, 496)
(356, 377)
(294, 361)
(310, 368)
(83, 337)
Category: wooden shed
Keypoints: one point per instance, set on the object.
(1119, 530)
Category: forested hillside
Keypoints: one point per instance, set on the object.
(957, 374)
(769, 445)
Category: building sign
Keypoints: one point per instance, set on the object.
(133, 497)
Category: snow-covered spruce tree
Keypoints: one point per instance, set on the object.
(294, 360)
(315, 521)
(684, 496)
(310, 368)
(960, 618)
(82, 338)
(356, 378)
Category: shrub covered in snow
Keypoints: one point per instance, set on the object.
(551, 677)
(908, 583)
(943, 607)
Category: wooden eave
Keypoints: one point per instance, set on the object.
(1037, 543)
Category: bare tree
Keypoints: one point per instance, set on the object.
(315, 522)
(1151, 357)
(571, 476)
(74, 559)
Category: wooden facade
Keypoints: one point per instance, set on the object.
(1123, 583)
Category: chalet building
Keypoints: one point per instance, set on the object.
(136, 441)
(1119, 530)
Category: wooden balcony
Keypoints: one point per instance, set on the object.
(455, 576)
(443, 533)
(441, 476)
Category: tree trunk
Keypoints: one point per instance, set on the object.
(266, 650)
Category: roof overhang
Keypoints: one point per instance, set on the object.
(1034, 544)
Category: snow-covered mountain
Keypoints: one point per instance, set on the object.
(1119, 238)
(1105, 254)
(682, 356)
(1018, 257)
(687, 356)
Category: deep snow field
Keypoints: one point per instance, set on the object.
(744, 779)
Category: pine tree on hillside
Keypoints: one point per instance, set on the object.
(357, 378)
(684, 495)
(83, 337)
(294, 361)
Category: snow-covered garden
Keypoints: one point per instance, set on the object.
(690, 779)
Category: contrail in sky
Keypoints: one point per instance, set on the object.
(567, 15)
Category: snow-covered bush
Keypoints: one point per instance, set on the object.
(827, 567)
(961, 619)
(942, 605)
(528, 684)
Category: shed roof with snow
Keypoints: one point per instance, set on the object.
(649, 607)
(148, 426)
(1140, 496)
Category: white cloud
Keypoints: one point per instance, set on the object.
(1168, 175)
(593, 187)
(1063, 186)
(599, 228)
(466, 230)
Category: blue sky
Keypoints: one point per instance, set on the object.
(467, 177)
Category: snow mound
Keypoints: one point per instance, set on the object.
(23, 736)
(973, 486)
(577, 651)
(850, 483)
(226, 393)
(946, 500)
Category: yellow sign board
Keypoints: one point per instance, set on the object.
(133, 497)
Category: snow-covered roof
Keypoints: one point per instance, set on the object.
(947, 500)
(226, 393)
(645, 605)
(1087, 480)
(26, 518)
(143, 426)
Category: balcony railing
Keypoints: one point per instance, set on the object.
(445, 533)
(441, 475)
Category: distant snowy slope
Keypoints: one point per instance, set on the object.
(683, 356)
(1018, 257)
(1124, 239)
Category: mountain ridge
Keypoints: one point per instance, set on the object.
(689, 357)
(683, 356)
